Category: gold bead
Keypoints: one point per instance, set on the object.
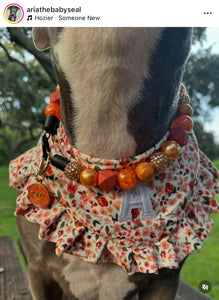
(159, 161)
(172, 149)
(88, 177)
(72, 171)
(184, 98)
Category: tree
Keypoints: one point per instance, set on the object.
(24, 93)
(27, 78)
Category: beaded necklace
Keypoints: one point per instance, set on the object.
(122, 178)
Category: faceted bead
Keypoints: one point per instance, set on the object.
(144, 171)
(185, 109)
(179, 135)
(172, 149)
(183, 121)
(72, 171)
(88, 177)
(159, 161)
(54, 97)
(53, 109)
(106, 180)
(126, 178)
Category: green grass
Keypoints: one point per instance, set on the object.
(201, 265)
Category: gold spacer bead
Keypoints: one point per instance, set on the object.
(159, 161)
(72, 171)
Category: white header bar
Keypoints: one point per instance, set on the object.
(98, 13)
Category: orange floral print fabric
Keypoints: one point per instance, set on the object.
(84, 222)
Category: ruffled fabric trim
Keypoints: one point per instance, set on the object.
(84, 222)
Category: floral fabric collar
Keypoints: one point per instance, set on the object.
(87, 222)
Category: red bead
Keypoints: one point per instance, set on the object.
(183, 121)
(179, 135)
(53, 109)
(106, 180)
(126, 178)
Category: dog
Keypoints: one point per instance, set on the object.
(13, 14)
(119, 91)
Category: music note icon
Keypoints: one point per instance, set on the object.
(29, 18)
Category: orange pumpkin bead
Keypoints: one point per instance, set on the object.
(88, 177)
(126, 178)
(183, 121)
(172, 149)
(144, 171)
(53, 109)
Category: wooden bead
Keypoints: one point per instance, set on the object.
(88, 177)
(72, 171)
(53, 109)
(183, 121)
(172, 149)
(106, 180)
(144, 171)
(159, 161)
(126, 178)
(185, 109)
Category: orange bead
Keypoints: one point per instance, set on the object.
(144, 171)
(88, 177)
(57, 88)
(183, 121)
(172, 149)
(126, 178)
(53, 109)
(185, 109)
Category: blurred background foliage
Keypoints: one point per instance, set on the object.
(27, 78)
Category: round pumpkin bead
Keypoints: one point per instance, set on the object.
(144, 171)
(172, 149)
(88, 177)
(53, 109)
(183, 121)
(126, 178)
(185, 109)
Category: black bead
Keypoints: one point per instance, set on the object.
(51, 124)
(59, 162)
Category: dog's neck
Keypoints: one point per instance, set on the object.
(117, 100)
